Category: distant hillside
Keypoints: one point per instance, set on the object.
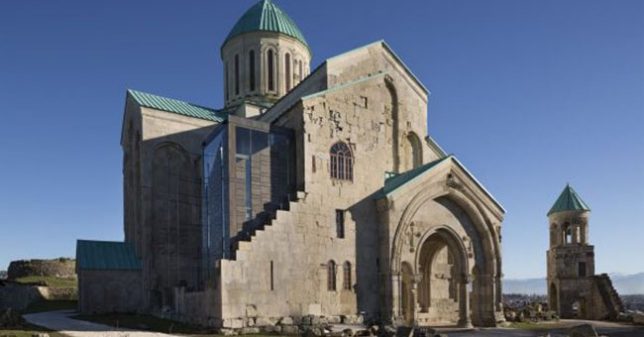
(625, 285)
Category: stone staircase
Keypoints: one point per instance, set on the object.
(609, 295)
(264, 223)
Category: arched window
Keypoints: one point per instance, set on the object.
(567, 233)
(287, 66)
(237, 74)
(227, 81)
(301, 71)
(251, 70)
(346, 279)
(341, 162)
(330, 272)
(416, 158)
(270, 59)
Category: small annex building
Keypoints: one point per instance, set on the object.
(109, 277)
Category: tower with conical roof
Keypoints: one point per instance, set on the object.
(571, 260)
(265, 55)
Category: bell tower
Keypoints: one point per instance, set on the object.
(265, 55)
(571, 260)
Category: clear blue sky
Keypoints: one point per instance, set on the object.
(528, 94)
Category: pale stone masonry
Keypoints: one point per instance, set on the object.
(574, 290)
(310, 194)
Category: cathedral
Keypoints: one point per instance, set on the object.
(311, 194)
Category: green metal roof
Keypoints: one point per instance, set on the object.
(176, 106)
(266, 16)
(568, 200)
(106, 255)
(397, 180)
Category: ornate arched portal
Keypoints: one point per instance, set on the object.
(442, 288)
(475, 243)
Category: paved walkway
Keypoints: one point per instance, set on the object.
(62, 322)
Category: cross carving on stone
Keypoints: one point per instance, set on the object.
(410, 234)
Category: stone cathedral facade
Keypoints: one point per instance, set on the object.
(311, 193)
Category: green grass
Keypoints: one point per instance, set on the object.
(42, 306)
(50, 281)
(146, 322)
(548, 325)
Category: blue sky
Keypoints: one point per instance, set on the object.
(528, 94)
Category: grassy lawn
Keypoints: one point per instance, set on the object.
(146, 322)
(50, 281)
(42, 306)
(549, 325)
(27, 330)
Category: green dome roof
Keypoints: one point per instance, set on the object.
(266, 16)
(568, 200)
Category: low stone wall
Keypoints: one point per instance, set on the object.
(18, 296)
(61, 267)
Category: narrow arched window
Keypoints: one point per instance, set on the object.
(301, 73)
(237, 74)
(416, 155)
(341, 162)
(567, 234)
(251, 70)
(346, 279)
(271, 70)
(227, 81)
(330, 276)
(287, 66)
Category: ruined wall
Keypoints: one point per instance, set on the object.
(62, 267)
(18, 296)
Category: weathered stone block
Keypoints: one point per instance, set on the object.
(286, 320)
(265, 321)
(249, 330)
(233, 323)
(584, 330)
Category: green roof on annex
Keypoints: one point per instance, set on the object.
(568, 200)
(266, 16)
(103, 255)
(177, 106)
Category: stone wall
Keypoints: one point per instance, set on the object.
(61, 267)
(18, 296)
(162, 198)
(105, 291)
(285, 269)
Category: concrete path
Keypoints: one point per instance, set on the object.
(559, 329)
(62, 322)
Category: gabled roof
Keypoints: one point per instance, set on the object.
(388, 48)
(296, 95)
(397, 181)
(568, 200)
(266, 16)
(100, 255)
(176, 106)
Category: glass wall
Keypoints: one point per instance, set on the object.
(248, 174)
(215, 200)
